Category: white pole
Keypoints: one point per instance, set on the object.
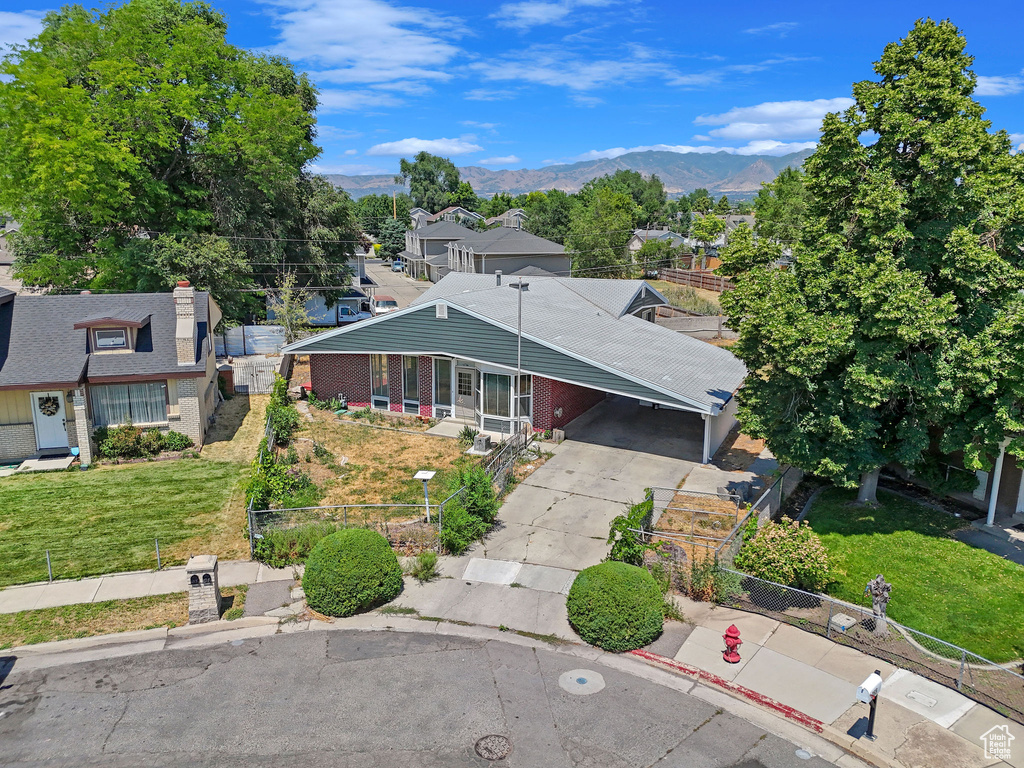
(996, 478)
(426, 500)
(519, 357)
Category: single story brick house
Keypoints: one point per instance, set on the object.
(70, 364)
(456, 352)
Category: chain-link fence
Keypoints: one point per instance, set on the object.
(72, 560)
(501, 465)
(994, 685)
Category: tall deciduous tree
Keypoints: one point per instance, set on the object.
(781, 206)
(431, 179)
(144, 122)
(551, 215)
(706, 229)
(902, 316)
(374, 210)
(648, 193)
(599, 234)
(723, 206)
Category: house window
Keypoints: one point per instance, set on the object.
(379, 396)
(465, 384)
(525, 391)
(443, 384)
(497, 394)
(111, 338)
(143, 403)
(411, 384)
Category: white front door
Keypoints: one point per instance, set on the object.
(48, 415)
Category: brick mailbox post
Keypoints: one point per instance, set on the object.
(203, 589)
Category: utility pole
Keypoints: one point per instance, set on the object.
(394, 205)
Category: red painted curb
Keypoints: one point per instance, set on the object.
(757, 698)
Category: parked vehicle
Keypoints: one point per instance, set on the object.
(397, 266)
(347, 315)
(381, 305)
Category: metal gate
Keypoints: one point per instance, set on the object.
(254, 377)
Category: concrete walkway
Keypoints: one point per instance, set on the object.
(122, 586)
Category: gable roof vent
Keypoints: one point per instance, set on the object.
(441, 311)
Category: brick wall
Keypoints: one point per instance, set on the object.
(395, 382)
(190, 413)
(348, 375)
(573, 400)
(17, 441)
(426, 386)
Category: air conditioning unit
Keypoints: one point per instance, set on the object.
(481, 443)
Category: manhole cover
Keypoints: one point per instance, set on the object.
(803, 754)
(582, 682)
(494, 747)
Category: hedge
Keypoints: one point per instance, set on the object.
(350, 571)
(616, 606)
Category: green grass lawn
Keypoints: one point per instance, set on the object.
(941, 586)
(106, 519)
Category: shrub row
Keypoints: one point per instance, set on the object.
(131, 442)
(283, 547)
(284, 418)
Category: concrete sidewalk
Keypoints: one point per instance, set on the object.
(122, 586)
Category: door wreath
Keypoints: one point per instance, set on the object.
(49, 406)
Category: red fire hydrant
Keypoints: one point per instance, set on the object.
(732, 643)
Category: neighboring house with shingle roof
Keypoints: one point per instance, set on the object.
(419, 217)
(506, 250)
(457, 214)
(70, 364)
(430, 244)
(513, 218)
(641, 236)
(454, 353)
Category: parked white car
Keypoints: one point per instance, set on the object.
(347, 315)
(381, 305)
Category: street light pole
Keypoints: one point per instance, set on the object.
(517, 390)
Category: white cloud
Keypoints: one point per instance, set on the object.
(773, 119)
(349, 170)
(532, 13)
(340, 100)
(751, 148)
(507, 160)
(1017, 141)
(488, 94)
(999, 85)
(327, 133)
(367, 41)
(16, 28)
(403, 147)
(780, 28)
(351, 151)
(555, 66)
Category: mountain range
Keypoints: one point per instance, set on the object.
(681, 173)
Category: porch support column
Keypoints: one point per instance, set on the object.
(707, 437)
(997, 476)
(83, 428)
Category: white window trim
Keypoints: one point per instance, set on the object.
(406, 404)
(374, 399)
(450, 406)
(100, 348)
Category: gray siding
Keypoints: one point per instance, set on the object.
(559, 264)
(643, 300)
(461, 335)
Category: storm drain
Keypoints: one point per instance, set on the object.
(494, 747)
(582, 682)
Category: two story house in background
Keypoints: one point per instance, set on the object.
(70, 364)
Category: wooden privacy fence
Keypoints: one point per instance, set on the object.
(697, 278)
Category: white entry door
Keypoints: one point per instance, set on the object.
(48, 415)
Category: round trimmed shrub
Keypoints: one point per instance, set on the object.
(616, 606)
(350, 571)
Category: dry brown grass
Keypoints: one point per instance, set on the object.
(374, 466)
(239, 428)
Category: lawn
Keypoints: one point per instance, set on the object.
(941, 586)
(375, 466)
(106, 519)
(88, 619)
(686, 297)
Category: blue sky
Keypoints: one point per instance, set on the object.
(525, 84)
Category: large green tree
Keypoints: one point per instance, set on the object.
(706, 230)
(781, 206)
(374, 210)
(648, 193)
(899, 328)
(551, 214)
(143, 122)
(431, 179)
(599, 233)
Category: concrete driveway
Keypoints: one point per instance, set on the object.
(559, 515)
(404, 289)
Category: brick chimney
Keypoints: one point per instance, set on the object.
(186, 329)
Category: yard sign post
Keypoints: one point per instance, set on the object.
(425, 475)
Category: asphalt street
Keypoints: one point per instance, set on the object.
(347, 698)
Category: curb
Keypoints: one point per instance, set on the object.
(760, 699)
